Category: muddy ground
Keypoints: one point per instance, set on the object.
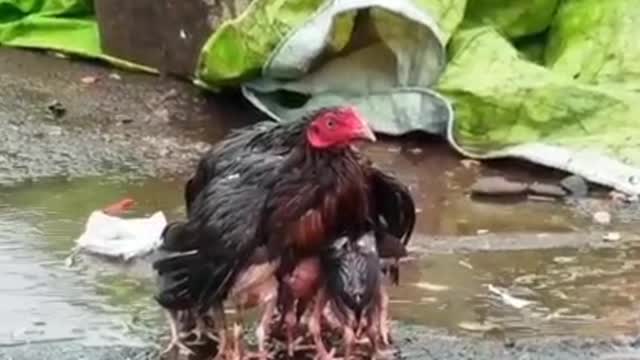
(73, 119)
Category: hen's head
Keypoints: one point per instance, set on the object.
(337, 127)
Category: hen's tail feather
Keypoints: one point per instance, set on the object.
(178, 236)
(190, 280)
(399, 214)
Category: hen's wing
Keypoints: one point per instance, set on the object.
(260, 138)
(221, 158)
(219, 236)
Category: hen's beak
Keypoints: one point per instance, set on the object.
(362, 129)
(366, 133)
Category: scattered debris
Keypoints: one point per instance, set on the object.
(465, 264)
(617, 196)
(416, 151)
(429, 300)
(115, 76)
(541, 198)
(480, 327)
(431, 287)
(498, 185)
(575, 185)
(509, 299)
(547, 190)
(162, 114)
(106, 233)
(564, 259)
(123, 119)
(55, 131)
(602, 217)
(482, 231)
(56, 108)
(612, 236)
(89, 80)
(394, 149)
(469, 163)
(58, 55)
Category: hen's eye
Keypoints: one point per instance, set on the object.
(331, 124)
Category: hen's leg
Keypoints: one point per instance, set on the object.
(175, 342)
(383, 319)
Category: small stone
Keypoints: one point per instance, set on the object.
(497, 185)
(59, 55)
(509, 343)
(547, 190)
(56, 108)
(89, 80)
(416, 151)
(115, 76)
(576, 185)
(602, 217)
(482, 231)
(612, 236)
(56, 131)
(124, 119)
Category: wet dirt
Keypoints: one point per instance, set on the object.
(486, 280)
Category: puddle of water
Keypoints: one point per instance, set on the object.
(586, 292)
(440, 186)
(97, 302)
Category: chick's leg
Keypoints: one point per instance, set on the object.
(315, 328)
(175, 342)
(383, 318)
(290, 321)
(262, 329)
(220, 322)
(349, 337)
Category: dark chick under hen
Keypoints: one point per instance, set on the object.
(353, 300)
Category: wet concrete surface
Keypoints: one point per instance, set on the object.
(137, 135)
(109, 122)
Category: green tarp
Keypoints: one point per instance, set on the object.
(552, 81)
